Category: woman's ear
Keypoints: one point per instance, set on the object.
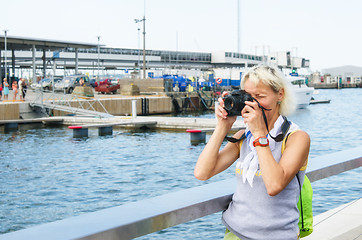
(281, 94)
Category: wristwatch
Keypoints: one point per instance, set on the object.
(261, 141)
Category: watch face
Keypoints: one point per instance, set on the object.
(263, 141)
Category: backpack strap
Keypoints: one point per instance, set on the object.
(285, 140)
(301, 201)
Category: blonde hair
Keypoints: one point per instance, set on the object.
(275, 79)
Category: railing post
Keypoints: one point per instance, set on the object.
(11, 127)
(134, 109)
(197, 136)
(103, 131)
(79, 131)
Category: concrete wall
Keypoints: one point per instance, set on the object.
(160, 105)
(9, 111)
(114, 106)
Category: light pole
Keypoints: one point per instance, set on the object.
(138, 45)
(238, 26)
(99, 37)
(144, 44)
(144, 47)
(6, 58)
(144, 38)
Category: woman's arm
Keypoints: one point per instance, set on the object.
(277, 176)
(212, 161)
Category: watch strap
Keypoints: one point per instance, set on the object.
(257, 142)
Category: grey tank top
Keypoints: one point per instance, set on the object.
(254, 215)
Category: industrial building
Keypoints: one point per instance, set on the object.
(41, 57)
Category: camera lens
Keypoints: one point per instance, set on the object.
(229, 103)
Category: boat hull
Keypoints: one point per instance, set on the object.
(303, 96)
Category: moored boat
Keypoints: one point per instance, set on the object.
(303, 93)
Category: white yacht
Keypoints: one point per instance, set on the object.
(303, 93)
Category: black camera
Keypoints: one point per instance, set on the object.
(235, 102)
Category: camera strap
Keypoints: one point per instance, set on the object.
(235, 140)
(285, 126)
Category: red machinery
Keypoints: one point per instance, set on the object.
(106, 86)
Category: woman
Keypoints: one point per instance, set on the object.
(81, 82)
(264, 205)
(6, 89)
(21, 89)
(15, 89)
(24, 88)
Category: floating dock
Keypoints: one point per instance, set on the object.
(165, 123)
(14, 124)
(319, 101)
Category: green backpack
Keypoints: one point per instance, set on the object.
(305, 208)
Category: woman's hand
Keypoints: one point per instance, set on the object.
(253, 118)
(222, 115)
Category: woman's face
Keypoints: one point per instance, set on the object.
(264, 94)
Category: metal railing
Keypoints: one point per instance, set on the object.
(74, 104)
(143, 217)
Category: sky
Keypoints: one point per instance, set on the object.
(326, 32)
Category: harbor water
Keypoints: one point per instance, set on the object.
(47, 175)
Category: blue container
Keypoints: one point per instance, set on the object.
(180, 81)
(235, 83)
(183, 87)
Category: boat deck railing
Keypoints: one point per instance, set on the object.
(150, 215)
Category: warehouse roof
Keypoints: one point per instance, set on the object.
(25, 43)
